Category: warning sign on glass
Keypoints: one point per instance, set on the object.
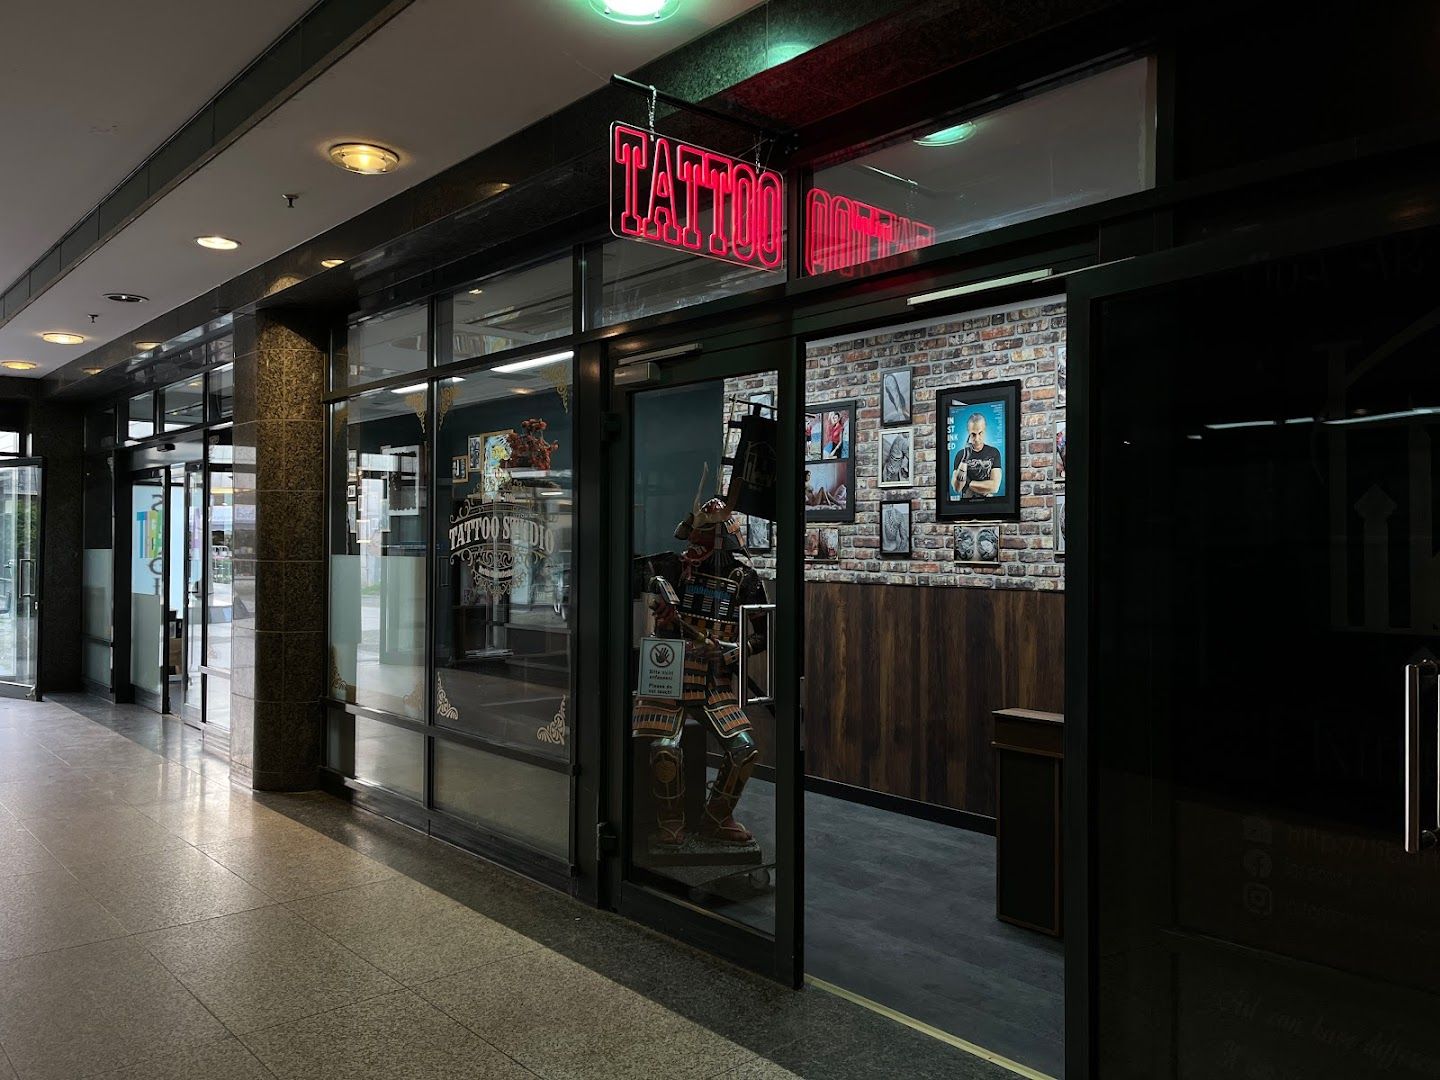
(662, 668)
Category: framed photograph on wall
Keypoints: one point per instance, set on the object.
(830, 478)
(977, 432)
(757, 535)
(822, 545)
(895, 529)
(978, 544)
(459, 469)
(1060, 524)
(895, 401)
(897, 457)
(1061, 445)
(1060, 377)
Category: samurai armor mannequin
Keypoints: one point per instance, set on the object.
(697, 595)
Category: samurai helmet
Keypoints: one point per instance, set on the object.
(712, 518)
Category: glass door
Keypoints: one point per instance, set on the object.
(706, 649)
(192, 706)
(219, 582)
(20, 531)
(147, 588)
(1254, 501)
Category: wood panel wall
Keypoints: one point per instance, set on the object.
(900, 682)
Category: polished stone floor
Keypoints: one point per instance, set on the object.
(157, 923)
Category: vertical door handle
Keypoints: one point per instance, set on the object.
(743, 673)
(1420, 776)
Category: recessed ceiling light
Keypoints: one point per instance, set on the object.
(476, 292)
(367, 159)
(126, 297)
(948, 136)
(146, 346)
(635, 12)
(534, 362)
(61, 337)
(217, 243)
(93, 370)
(18, 365)
(330, 264)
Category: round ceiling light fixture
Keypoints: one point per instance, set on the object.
(636, 12)
(126, 297)
(62, 337)
(367, 159)
(948, 136)
(18, 365)
(330, 264)
(217, 243)
(146, 346)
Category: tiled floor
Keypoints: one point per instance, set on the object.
(156, 923)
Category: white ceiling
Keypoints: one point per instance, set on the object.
(89, 89)
(439, 82)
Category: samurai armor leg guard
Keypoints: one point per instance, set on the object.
(720, 824)
(667, 769)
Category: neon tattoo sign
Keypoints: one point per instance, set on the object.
(841, 232)
(684, 197)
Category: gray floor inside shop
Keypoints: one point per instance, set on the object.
(902, 911)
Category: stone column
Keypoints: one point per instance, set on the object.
(279, 631)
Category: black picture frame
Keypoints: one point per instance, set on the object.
(999, 404)
(831, 468)
(896, 515)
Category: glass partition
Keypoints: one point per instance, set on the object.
(182, 404)
(221, 393)
(641, 280)
(1078, 144)
(20, 487)
(140, 418)
(147, 585)
(380, 346)
(97, 571)
(219, 584)
(377, 556)
(510, 310)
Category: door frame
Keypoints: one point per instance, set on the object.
(35, 691)
(158, 703)
(780, 958)
(1347, 225)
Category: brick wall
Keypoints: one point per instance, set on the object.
(1024, 342)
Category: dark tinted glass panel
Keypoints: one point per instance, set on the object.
(525, 802)
(511, 310)
(140, 422)
(384, 345)
(100, 428)
(390, 756)
(183, 404)
(1267, 610)
(640, 280)
(1072, 146)
(221, 392)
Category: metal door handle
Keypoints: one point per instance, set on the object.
(1417, 837)
(742, 672)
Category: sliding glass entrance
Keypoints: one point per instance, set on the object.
(1261, 447)
(20, 495)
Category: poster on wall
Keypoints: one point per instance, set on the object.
(977, 544)
(895, 397)
(1060, 524)
(822, 545)
(897, 457)
(978, 428)
(830, 462)
(1061, 446)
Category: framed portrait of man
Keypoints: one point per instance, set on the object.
(977, 436)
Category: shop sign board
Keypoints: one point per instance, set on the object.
(841, 232)
(677, 195)
(500, 541)
(662, 668)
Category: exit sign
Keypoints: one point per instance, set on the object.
(687, 198)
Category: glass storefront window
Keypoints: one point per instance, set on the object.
(1078, 144)
(221, 393)
(380, 346)
(377, 559)
(511, 310)
(182, 404)
(140, 417)
(97, 575)
(503, 640)
(640, 280)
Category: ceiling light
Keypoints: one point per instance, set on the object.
(61, 337)
(476, 292)
(126, 297)
(948, 136)
(217, 243)
(534, 362)
(635, 12)
(413, 388)
(93, 370)
(330, 264)
(146, 346)
(18, 365)
(364, 158)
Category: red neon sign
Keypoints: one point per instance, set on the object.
(691, 199)
(841, 232)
